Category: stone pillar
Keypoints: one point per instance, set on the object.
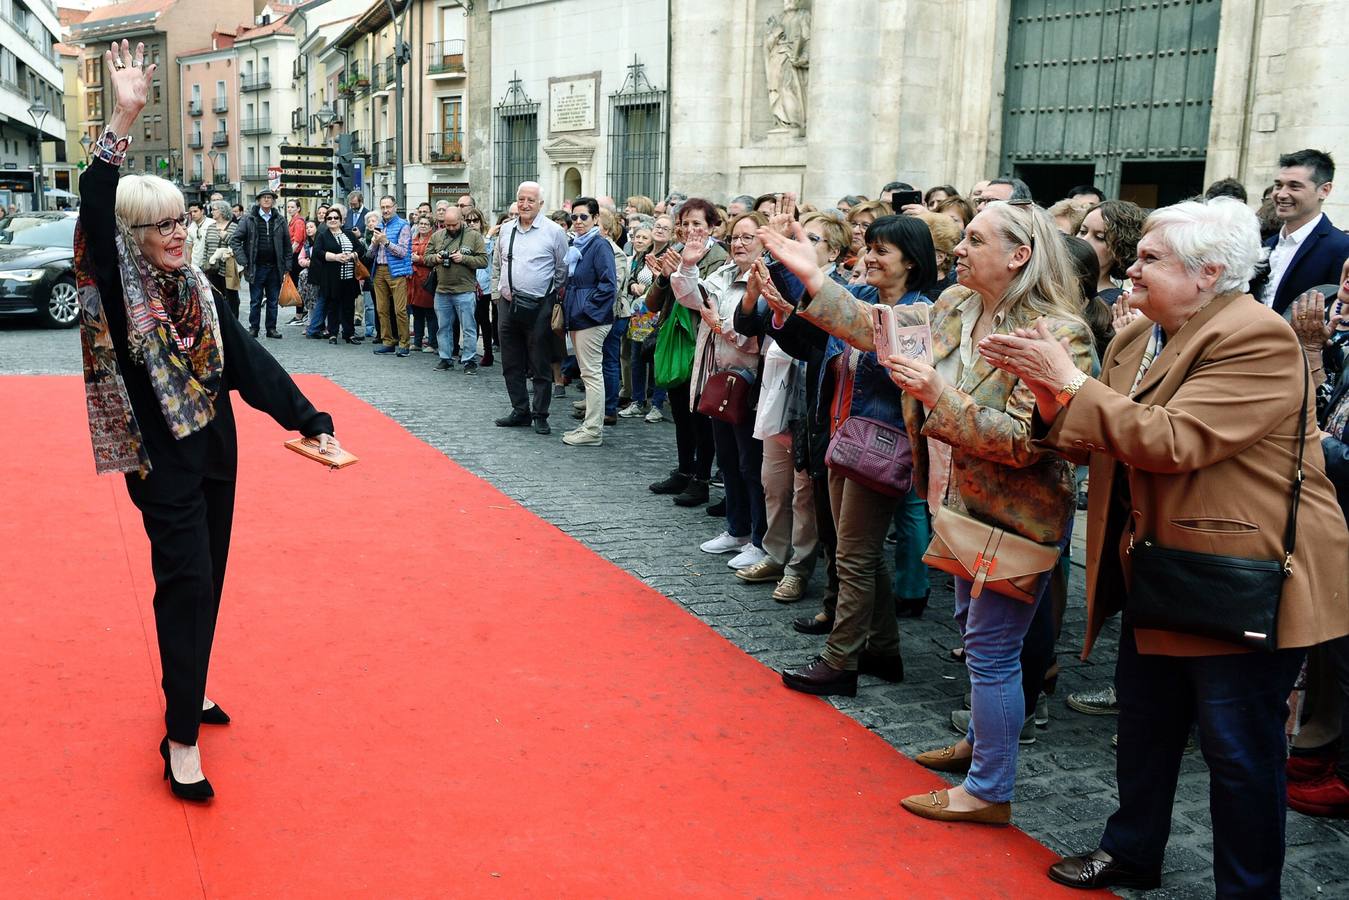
(848, 66)
(703, 68)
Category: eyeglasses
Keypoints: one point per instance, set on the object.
(333, 219)
(166, 226)
(743, 238)
(580, 217)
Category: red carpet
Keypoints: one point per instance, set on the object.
(447, 698)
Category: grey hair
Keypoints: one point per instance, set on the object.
(642, 222)
(1020, 190)
(1223, 232)
(220, 207)
(744, 200)
(146, 198)
(531, 184)
(353, 195)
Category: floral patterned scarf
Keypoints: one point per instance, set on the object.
(172, 329)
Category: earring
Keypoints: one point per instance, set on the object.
(1009, 265)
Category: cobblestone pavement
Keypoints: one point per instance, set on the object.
(1065, 787)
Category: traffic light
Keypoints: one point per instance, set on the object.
(346, 165)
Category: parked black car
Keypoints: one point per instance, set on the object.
(37, 277)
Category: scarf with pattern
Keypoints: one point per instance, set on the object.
(172, 329)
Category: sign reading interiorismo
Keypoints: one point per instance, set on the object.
(571, 103)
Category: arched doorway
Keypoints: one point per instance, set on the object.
(571, 184)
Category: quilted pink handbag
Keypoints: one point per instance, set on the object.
(874, 454)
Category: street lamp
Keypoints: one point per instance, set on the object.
(174, 171)
(39, 113)
(213, 155)
(402, 53)
(86, 143)
(326, 115)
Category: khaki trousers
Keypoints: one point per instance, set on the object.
(790, 539)
(589, 346)
(865, 617)
(391, 304)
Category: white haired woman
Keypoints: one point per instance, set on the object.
(1192, 431)
(159, 362)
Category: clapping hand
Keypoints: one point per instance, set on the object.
(1309, 321)
(773, 297)
(787, 205)
(754, 280)
(915, 377)
(711, 316)
(1121, 313)
(1032, 354)
(797, 253)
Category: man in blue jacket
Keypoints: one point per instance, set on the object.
(390, 256)
(1308, 250)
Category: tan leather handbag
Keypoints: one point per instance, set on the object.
(990, 557)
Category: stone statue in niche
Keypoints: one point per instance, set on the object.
(786, 60)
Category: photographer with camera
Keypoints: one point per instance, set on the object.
(457, 254)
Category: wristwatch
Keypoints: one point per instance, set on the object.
(1069, 390)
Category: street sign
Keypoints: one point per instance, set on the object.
(305, 172)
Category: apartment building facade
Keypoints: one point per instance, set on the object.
(32, 109)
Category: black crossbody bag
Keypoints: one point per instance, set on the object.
(1227, 598)
(524, 307)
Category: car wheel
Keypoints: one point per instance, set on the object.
(63, 304)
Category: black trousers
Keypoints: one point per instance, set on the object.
(828, 534)
(693, 435)
(527, 355)
(187, 518)
(1240, 704)
(485, 313)
(423, 323)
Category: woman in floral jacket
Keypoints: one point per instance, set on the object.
(970, 428)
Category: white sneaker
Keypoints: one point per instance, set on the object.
(631, 411)
(724, 543)
(582, 439)
(654, 415)
(750, 556)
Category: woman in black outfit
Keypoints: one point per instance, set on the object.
(333, 272)
(160, 361)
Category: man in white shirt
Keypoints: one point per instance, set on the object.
(196, 234)
(1308, 250)
(528, 267)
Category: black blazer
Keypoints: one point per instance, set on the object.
(327, 276)
(252, 371)
(1317, 261)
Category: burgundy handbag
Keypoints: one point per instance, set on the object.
(727, 395)
(874, 454)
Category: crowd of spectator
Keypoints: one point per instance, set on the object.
(1084, 353)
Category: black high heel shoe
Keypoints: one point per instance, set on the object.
(197, 791)
(215, 716)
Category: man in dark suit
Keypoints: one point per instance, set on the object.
(1308, 250)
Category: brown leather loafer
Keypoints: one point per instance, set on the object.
(934, 805)
(821, 679)
(945, 760)
(1099, 870)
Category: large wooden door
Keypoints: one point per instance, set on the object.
(1105, 82)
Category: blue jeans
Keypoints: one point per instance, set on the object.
(613, 365)
(1240, 703)
(993, 628)
(462, 307)
(914, 534)
(318, 316)
(368, 317)
(642, 372)
(265, 284)
(740, 455)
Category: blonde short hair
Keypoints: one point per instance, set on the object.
(835, 233)
(1071, 212)
(146, 198)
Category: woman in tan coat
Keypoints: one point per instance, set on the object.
(1192, 435)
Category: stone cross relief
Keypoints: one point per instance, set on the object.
(786, 62)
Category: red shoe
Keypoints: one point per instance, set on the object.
(1327, 797)
(1310, 768)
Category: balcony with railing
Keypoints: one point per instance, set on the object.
(259, 125)
(385, 152)
(194, 141)
(194, 107)
(445, 58)
(445, 147)
(384, 75)
(298, 68)
(256, 81)
(220, 139)
(253, 171)
(221, 104)
(356, 80)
